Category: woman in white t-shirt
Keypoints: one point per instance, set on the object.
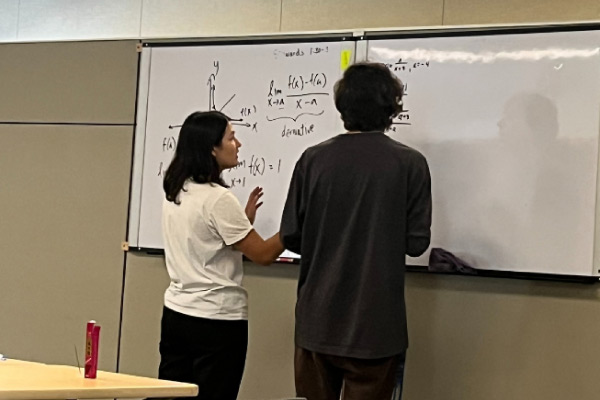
(204, 327)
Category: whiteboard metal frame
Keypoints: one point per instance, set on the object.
(138, 150)
(596, 257)
(360, 44)
(298, 37)
(465, 30)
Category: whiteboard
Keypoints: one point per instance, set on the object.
(280, 96)
(509, 124)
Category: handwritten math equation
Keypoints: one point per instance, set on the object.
(401, 68)
(298, 52)
(406, 66)
(295, 98)
(255, 166)
(300, 87)
(168, 145)
(300, 97)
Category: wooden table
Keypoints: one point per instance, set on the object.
(20, 380)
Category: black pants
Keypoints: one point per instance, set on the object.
(210, 353)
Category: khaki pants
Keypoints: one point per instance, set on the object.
(326, 377)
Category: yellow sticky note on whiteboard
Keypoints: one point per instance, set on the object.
(345, 58)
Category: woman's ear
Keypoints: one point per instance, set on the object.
(213, 152)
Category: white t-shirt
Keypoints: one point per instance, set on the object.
(206, 272)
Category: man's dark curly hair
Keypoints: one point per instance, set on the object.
(368, 97)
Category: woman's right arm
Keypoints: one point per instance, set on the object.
(261, 251)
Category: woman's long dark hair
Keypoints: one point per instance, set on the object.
(199, 134)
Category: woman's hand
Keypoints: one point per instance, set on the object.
(252, 205)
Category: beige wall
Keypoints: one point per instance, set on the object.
(63, 215)
(484, 338)
(66, 113)
(43, 20)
